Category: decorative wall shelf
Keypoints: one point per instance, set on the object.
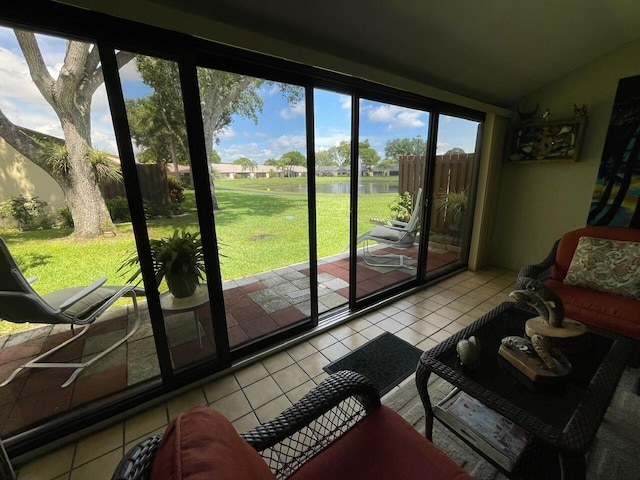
(548, 141)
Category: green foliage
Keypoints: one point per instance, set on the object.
(106, 170)
(56, 157)
(405, 146)
(118, 209)
(215, 157)
(176, 192)
(290, 160)
(401, 207)
(245, 163)
(452, 204)
(455, 151)
(179, 254)
(369, 157)
(29, 212)
(65, 220)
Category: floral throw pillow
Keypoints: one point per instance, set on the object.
(610, 266)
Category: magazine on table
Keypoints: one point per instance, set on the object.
(494, 435)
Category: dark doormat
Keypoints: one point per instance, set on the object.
(386, 361)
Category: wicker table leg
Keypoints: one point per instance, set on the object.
(422, 382)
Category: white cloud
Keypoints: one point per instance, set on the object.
(397, 118)
(327, 137)
(15, 79)
(297, 110)
(227, 133)
(286, 143)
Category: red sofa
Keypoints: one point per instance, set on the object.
(337, 431)
(600, 309)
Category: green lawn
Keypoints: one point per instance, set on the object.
(260, 230)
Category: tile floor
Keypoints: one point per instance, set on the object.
(263, 389)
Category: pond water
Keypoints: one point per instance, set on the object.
(343, 187)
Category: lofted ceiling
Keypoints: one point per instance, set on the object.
(496, 51)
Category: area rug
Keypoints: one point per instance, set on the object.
(613, 455)
(386, 361)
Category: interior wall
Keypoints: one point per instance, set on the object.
(537, 203)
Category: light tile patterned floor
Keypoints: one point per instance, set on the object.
(259, 392)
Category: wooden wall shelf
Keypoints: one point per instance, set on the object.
(557, 141)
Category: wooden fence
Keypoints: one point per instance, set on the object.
(153, 185)
(452, 174)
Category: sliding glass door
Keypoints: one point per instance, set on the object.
(390, 171)
(454, 173)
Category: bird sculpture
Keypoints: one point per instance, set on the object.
(551, 309)
(543, 299)
(468, 350)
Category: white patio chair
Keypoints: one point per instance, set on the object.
(19, 303)
(396, 235)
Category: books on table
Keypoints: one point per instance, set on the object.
(492, 434)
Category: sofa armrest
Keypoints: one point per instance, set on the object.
(539, 271)
(313, 422)
(296, 435)
(136, 464)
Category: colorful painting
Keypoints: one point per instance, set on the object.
(615, 197)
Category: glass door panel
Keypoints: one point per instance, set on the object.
(391, 151)
(332, 134)
(256, 142)
(450, 227)
(155, 114)
(66, 224)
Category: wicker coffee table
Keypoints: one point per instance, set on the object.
(563, 419)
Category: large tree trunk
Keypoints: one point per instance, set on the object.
(213, 106)
(70, 96)
(82, 193)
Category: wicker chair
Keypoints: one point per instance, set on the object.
(335, 410)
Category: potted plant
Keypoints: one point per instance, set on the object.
(178, 259)
(453, 205)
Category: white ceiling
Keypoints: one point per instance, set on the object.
(496, 51)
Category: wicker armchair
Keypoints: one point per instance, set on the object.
(345, 410)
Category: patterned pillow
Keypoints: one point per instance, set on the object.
(610, 266)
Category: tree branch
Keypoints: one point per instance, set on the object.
(97, 78)
(19, 140)
(37, 67)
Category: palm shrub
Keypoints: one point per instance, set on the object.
(178, 259)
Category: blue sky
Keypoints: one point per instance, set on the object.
(281, 127)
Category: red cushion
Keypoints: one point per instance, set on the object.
(383, 446)
(602, 310)
(201, 444)
(569, 242)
